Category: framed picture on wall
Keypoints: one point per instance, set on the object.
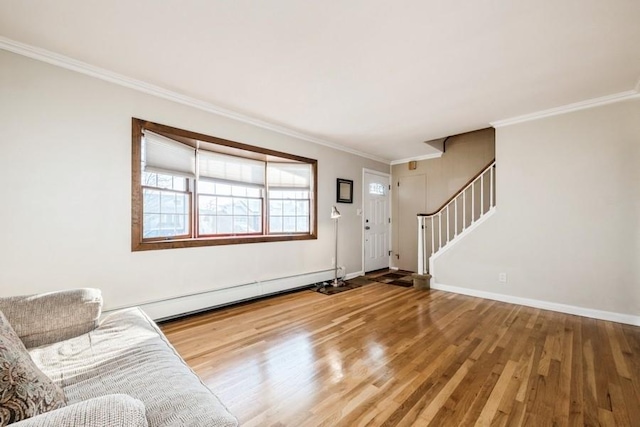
(344, 191)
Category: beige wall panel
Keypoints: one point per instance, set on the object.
(567, 222)
(411, 201)
(66, 217)
(465, 156)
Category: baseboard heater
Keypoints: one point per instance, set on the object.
(171, 308)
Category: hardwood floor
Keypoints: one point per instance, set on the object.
(384, 355)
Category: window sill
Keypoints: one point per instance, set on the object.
(219, 241)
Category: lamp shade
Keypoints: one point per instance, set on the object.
(334, 213)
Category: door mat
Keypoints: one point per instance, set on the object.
(327, 288)
(397, 278)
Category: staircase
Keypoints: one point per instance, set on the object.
(439, 230)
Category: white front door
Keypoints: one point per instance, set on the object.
(376, 221)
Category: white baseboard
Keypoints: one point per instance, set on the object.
(185, 304)
(354, 275)
(628, 319)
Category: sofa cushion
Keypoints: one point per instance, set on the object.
(127, 353)
(24, 390)
(54, 316)
(110, 410)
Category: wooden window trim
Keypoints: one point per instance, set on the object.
(140, 244)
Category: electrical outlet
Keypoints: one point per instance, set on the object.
(502, 277)
(333, 260)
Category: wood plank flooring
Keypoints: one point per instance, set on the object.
(383, 355)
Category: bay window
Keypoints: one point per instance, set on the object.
(190, 189)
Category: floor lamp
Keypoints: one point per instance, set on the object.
(335, 214)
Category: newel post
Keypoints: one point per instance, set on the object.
(421, 268)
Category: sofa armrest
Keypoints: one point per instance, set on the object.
(110, 410)
(55, 316)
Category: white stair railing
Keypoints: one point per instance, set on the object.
(439, 229)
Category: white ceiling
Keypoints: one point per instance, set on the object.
(376, 76)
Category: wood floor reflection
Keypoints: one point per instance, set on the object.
(388, 355)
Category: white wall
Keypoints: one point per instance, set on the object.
(65, 168)
(567, 225)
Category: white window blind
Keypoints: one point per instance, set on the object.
(289, 175)
(164, 155)
(231, 169)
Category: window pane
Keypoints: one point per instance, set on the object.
(179, 183)
(225, 225)
(240, 206)
(224, 206)
(302, 224)
(275, 224)
(239, 191)
(241, 214)
(151, 201)
(255, 207)
(149, 179)
(289, 224)
(168, 203)
(275, 208)
(376, 188)
(151, 224)
(165, 225)
(206, 187)
(170, 182)
(207, 205)
(166, 213)
(207, 224)
(255, 224)
(253, 192)
(289, 211)
(223, 189)
(289, 207)
(240, 224)
(302, 207)
(165, 181)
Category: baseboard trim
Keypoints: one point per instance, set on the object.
(181, 305)
(354, 275)
(545, 305)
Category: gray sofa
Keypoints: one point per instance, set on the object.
(116, 371)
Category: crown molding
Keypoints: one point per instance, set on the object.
(577, 106)
(68, 63)
(418, 158)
